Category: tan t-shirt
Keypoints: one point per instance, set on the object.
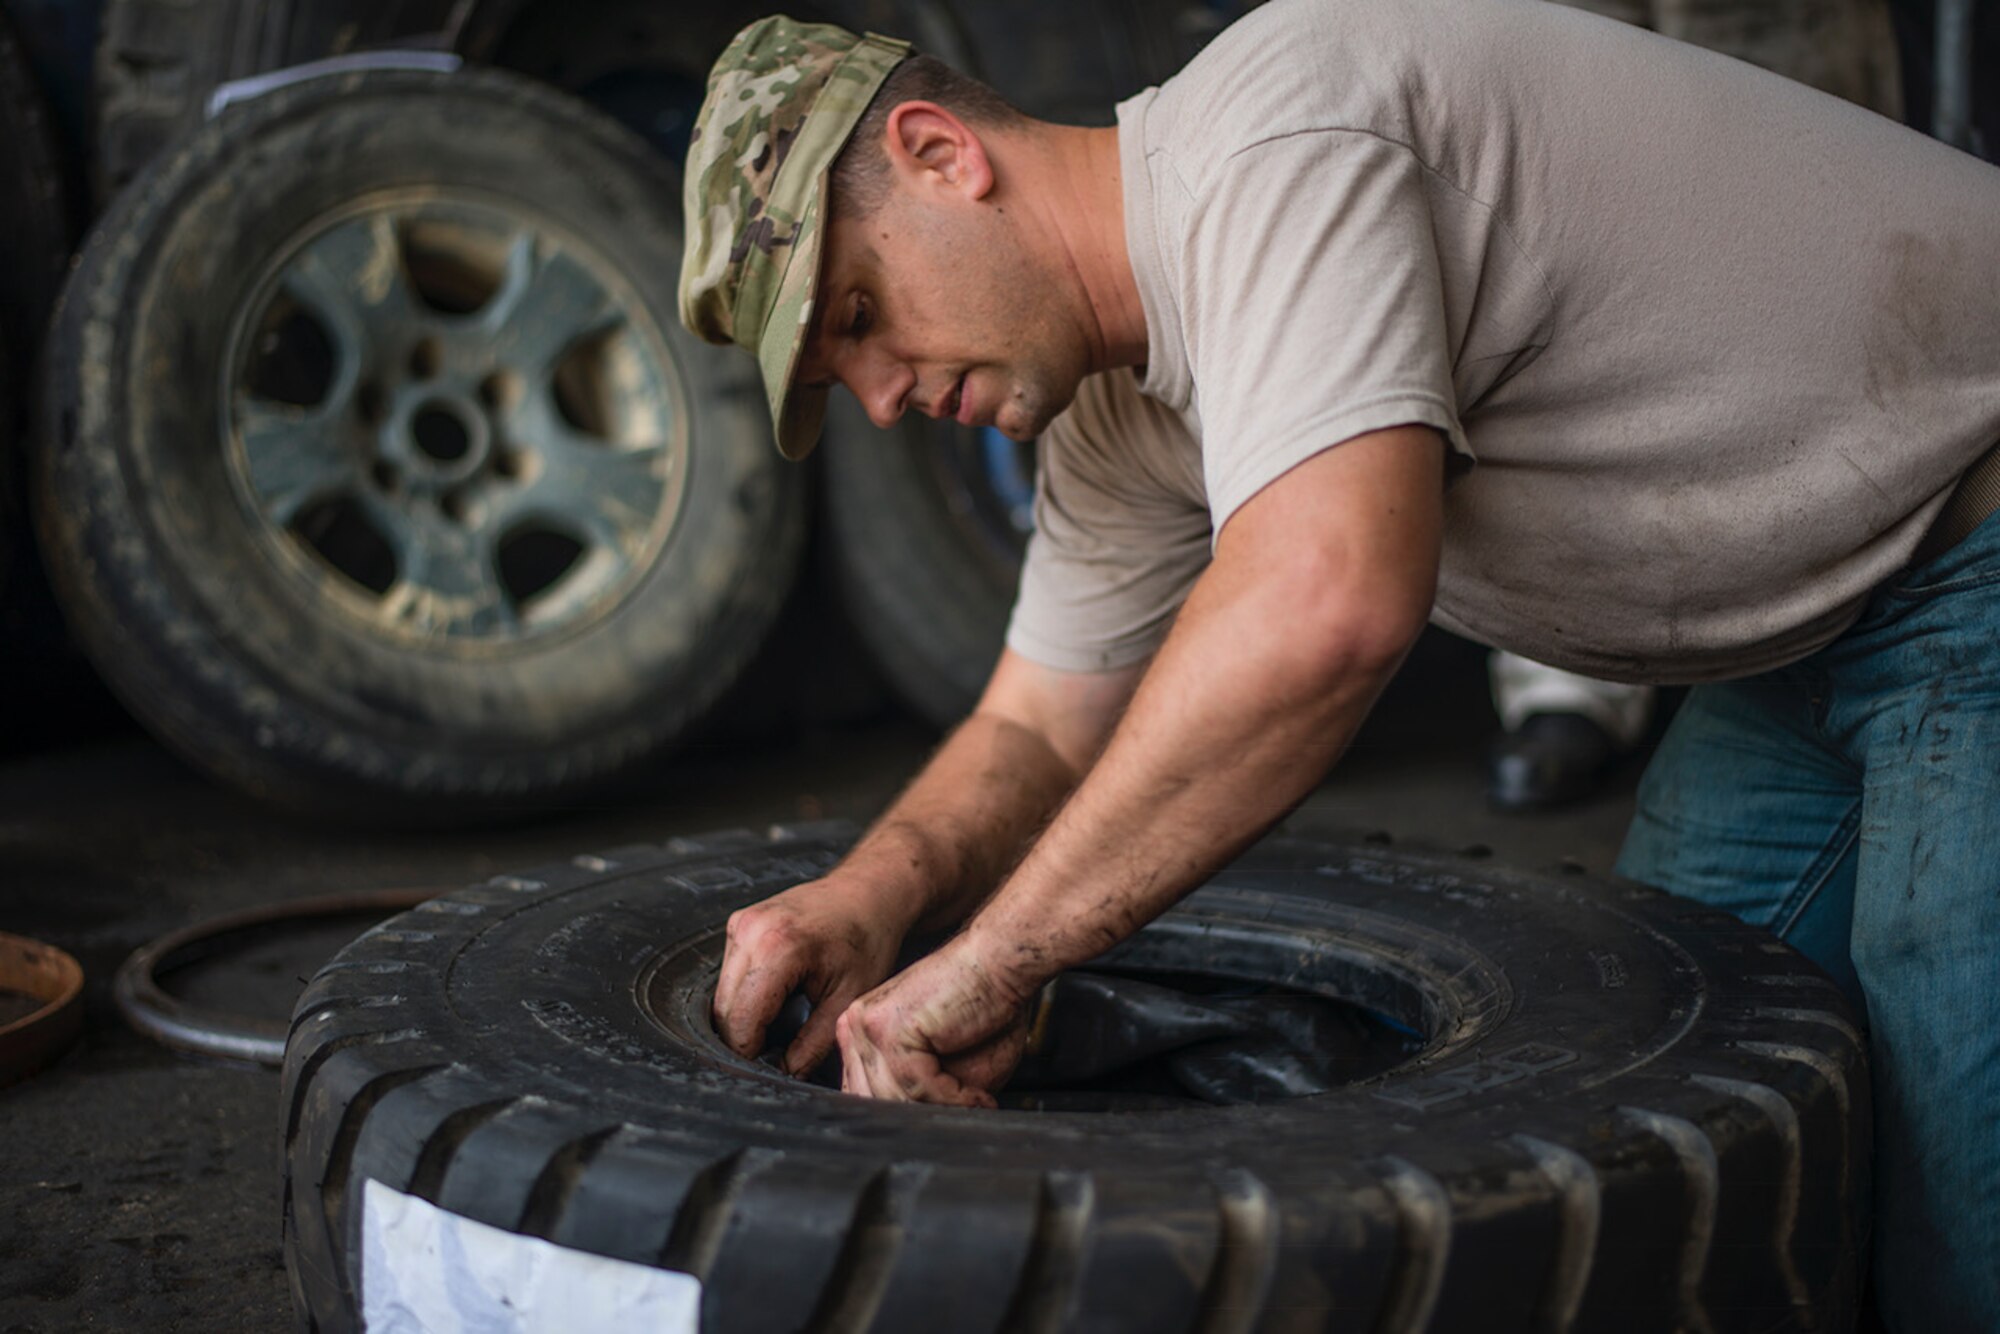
(1711, 346)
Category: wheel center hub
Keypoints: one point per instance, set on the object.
(440, 433)
(440, 436)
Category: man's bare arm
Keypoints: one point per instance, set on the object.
(1319, 586)
(940, 848)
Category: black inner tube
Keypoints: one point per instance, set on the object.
(1131, 1040)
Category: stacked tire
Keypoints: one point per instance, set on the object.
(378, 476)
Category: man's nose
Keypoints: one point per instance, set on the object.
(886, 392)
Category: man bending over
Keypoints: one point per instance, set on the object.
(1610, 351)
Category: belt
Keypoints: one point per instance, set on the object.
(1975, 497)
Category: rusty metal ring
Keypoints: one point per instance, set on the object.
(237, 1037)
(44, 973)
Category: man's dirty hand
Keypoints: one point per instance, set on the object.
(826, 938)
(945, 1030)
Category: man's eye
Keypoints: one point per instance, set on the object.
(858, 323)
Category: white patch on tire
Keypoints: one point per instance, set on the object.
(427, 1271)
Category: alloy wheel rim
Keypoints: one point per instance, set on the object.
(453, 421)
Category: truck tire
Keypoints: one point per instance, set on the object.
(378, 476)
(1628, 1113)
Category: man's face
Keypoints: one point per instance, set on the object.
(935, 304)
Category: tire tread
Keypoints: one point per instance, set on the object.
(1702, 1178)
(1578, 1208)
(849, 1303)
(435, 1158)
(550, 1195)
(1239, 1283)
(1423, 1253)
(702, 1220)
(1049, 1280)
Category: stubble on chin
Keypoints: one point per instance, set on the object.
(1021, 418)
(1030, 407)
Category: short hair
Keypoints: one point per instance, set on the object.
(859, 179)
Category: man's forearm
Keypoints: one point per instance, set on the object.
(942, 846)
(1194, 774)
(1231, 725)
(1319, 585)
(1277, 656)
(949, 838)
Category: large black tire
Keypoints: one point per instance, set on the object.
(1631, 1113)
(226, 635)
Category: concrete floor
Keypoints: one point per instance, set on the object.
(141, 1186)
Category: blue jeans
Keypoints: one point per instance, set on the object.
(1850, 802)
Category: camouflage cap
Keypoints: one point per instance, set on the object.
(782, 101)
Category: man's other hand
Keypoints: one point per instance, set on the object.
(944, 1030)
(823, 938)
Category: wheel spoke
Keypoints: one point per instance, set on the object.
(607, 493)
(447, 577)
(351, 276)
(294, 456)
(546, 303)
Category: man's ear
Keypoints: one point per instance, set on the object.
(931, 148)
